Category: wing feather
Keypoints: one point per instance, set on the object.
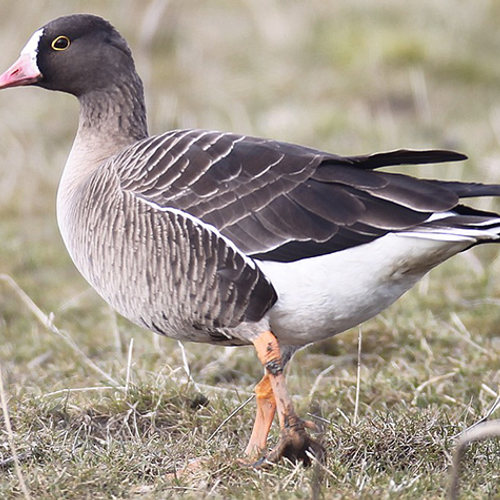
(282, 201)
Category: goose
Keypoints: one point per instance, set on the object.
(232, 240)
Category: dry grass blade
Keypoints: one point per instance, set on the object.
(465, 334)
(319, 378)
(432, 380)
(229, 417)
(358, 377)
(81, 389)
(185, 363)
(48, 323)
(129, 365)
(12, 445)
(482, 420)
(483, 431)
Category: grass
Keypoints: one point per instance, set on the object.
(347, 76)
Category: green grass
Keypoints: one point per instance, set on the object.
(347, 76)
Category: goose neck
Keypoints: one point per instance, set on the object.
(117, 113)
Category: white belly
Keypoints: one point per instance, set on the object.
(321, 296)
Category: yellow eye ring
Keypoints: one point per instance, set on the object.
(62, 42)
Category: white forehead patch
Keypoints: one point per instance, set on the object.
(31, 48)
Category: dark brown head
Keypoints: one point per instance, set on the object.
(75, 54)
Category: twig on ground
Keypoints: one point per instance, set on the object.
(115, 331)
(81, 389)
(47, 322)
(76, 298)
(318, 380)
(431, 381)
(463, 333)
(489, 390)
(229, 417)
(318, 475)
(482, 431)
(186, 365)
(482, 420)
(129, 365)
(12, 445)
(358, 377)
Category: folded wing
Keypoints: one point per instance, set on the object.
(281, 201)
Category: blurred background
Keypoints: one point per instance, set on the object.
(346, 76)
(349, 76)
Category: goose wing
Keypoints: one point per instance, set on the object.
(281, 201)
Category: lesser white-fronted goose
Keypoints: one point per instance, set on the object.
(232, 240)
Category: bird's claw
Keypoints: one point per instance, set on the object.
(296, 445)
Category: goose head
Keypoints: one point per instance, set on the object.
(76, 54)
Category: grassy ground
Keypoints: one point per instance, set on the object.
(103, 417)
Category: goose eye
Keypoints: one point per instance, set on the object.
(61, 43)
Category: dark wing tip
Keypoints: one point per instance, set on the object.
(438, 155)
(406, 157)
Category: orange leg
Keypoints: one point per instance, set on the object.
(266, 408)
(294, 441)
